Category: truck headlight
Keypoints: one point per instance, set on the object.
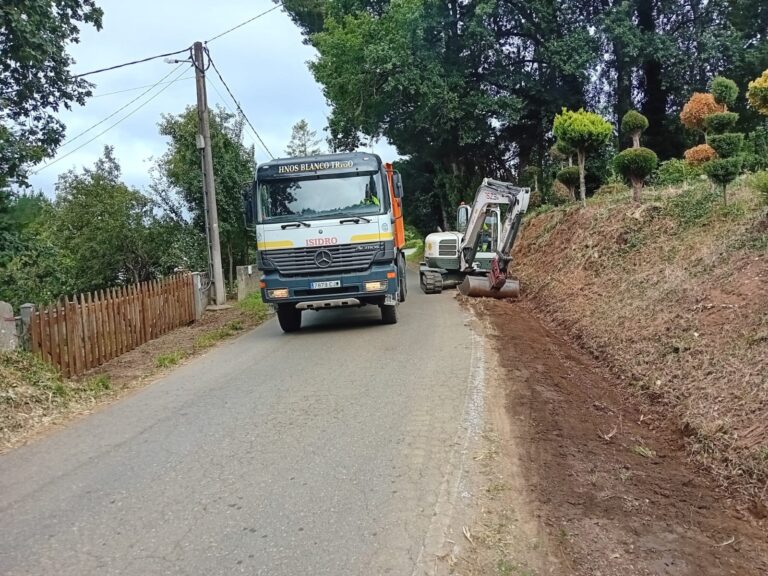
(376, 286)
(278, 293)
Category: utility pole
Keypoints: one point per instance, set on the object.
(209, 186)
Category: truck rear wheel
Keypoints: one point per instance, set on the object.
(401, 272)
(289, 317)
(388, 314)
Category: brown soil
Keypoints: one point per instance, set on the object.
(129, 372)
(614, 488)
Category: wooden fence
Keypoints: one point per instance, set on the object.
(87, 330)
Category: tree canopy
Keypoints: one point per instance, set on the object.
(304, 141)
(35, 78)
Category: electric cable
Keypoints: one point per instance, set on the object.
(116, 66)
(116, 112)
(137, 88)
(131, 113)
(240, 108)
(279, 5)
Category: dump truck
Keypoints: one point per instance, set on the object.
(475, 258)
(329, 234)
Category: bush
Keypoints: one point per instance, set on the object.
(720, 122)
(611, 189)
(759, 182)
(697, 108)
(723, 171)
(727, 145)
(675, 171)
(569, 177)
(724, 90)
(636, 164)
(757, 93)
(699, 155)
(634, 124)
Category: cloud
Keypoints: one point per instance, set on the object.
(264, 64)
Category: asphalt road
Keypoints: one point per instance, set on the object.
(334, 451)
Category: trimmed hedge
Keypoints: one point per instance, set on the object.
(723, 171)
(721, 122)
(569, 176)
(636, 162)
(727, 145)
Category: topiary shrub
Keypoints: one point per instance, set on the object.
(697, 108)
(569, 177)
(720, 122)
(636, 164)
(757, 93)
(727, 145)
(700, 154)
(634, 124)
(723, 171)
(724, 91)
(585, 132)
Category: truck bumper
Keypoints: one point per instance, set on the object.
(351, 292)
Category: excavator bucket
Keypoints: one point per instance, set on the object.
(480, 286)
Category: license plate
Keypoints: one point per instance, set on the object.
(328, 284)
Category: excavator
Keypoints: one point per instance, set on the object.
(476, 257)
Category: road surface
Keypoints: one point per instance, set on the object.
(334, 451)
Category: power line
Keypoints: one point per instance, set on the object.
(115, 67)
(131, 113)
(228, 107)
(138, 87)
(240, 108)
(279, 5)
(116, 112)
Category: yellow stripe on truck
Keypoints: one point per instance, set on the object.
(276, 244)
(371, 237)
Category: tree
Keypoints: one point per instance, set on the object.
(35, 81)
(636, 164)
(303, 140)
(757, 94)
(727, 166)
(569, 177)
(103, 226)
(233, 166)
(585, 132)
(634, 124)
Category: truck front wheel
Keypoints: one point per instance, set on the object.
(289, 317)
(389, 314)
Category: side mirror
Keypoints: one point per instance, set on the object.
(398, 182)
(249, 205)
(462, 218)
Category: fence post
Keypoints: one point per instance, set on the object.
(8, 336)
(25, 334)
(197, 294)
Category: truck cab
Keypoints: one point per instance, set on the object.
(329, 233)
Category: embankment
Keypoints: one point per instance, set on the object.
(672, 297)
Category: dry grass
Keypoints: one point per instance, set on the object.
(32, 394)
(673, 294)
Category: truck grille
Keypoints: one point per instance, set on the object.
(301, 261)
(448, 247)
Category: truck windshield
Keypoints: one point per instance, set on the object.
(288, 199)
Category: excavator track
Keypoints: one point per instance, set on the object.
(431, 282)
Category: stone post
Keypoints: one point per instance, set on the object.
(8, 337)
(201, 299)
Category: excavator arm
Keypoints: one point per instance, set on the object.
(491, 194)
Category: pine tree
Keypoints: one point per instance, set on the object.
(304, 142)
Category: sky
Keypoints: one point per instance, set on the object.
(264, 63)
